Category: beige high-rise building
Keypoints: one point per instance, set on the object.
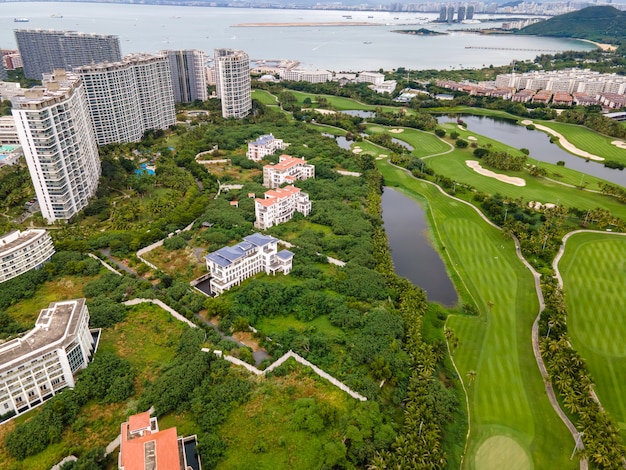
(59, 145)
(232, 76)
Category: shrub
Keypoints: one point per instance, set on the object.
(440, 132)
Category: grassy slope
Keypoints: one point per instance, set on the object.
(586, 139)
(265, 97)
(506, 397)
(594, 274)
(423, 143)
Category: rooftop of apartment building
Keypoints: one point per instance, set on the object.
(54, 323)
(57, 87)
(286, 162)
(16, 238)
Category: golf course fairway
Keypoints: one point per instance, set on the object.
(593, 268)
(512, 424)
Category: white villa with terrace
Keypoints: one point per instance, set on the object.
(265, 145)
(279, 206)
(287, 170)
(230, 265)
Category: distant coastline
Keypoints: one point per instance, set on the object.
(294, 24)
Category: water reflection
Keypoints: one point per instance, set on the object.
(412, 253)
(508, 132)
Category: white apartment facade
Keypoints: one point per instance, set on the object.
(36, 366)
(129, 97)
(279, 206)
(23, 251)
(287, 170)
(59, 145)
(233, 83)
(8, 131)
(231, 265)
(311, 76)
(569, 80)
(375, 78)
(263, 146)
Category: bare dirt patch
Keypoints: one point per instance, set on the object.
(474, 165)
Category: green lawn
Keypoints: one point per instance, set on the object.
(475, 111)
(423, 143)
(588, 140)
(280, 325)
(510, 415)
(594, 274)
(543, 190)
(264, 97)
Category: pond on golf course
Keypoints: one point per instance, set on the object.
(411, 250)
(538, 142)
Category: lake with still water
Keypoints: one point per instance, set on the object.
(411, 250)
(538, 142)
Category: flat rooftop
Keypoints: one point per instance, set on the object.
(54, 323)
(10, 241)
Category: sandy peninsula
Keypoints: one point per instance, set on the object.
(566, 144)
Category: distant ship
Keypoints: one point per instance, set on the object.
(21, 20)
(56, 15)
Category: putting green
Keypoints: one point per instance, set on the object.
(499, 452)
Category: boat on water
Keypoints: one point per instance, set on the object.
(20, 20)
(56, 15)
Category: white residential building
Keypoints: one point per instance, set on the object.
(388, 86)
(129, 97)
(311, 76)
(36, 366)
(188, 75)
(231, 265)
(371, 77)
(265, 145)
(8, 131)
(568, 80)
(279, 206)
(287, 170)
(23, 251)
(232, 82)
(59, 145)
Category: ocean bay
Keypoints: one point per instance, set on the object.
(148, 28)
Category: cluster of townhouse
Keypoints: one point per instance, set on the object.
(563, 87)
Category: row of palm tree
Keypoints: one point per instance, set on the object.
(418, 443)
(568, 373)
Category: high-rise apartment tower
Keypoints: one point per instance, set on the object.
(44, 51)
(188, 75)
(232, 76)
(59, 145)
(127, 98)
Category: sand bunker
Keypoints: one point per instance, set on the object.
(619, 144)
(539, 206)
(471, 137)
(381, 156)
(475, 165)
(396, 131)
(321, 111)
(357, 150)
(564, 142)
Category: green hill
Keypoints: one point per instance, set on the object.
(604, 24)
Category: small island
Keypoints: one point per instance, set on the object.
(419, 32)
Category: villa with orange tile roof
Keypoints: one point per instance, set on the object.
(287, 170)
(265, 145)
(143, 446)
(279, 206)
